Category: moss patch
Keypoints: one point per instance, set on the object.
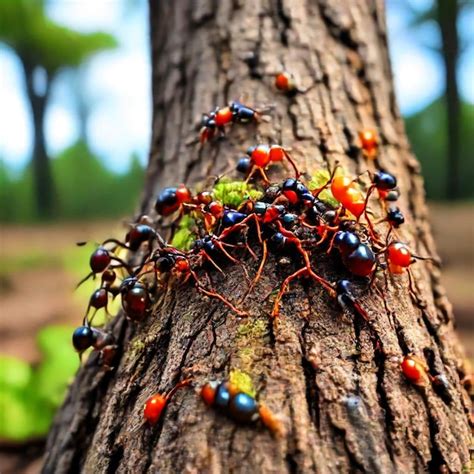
(184, 236)
(242, 381)
(318, 180)
(234, 193)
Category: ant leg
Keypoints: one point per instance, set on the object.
(210, 259)
(318, 191)
(214, 294)
(411, 283)
(264, 175)
(91, 274)
(232, 258)
(252, 172)
(259, 271)
(292, 163)
(283, 288)
(115, 242)
(183, 383)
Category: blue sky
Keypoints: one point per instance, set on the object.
(118, 82)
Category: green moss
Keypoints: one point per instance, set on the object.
(233, 193)
(242, 381)
(318, 180)
(254, 329)
(184, 236)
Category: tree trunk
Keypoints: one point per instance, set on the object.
(447, 19)
(42, 176)
(334, 378)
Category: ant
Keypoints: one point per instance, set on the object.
(171, 199)
(346, 299)
(154, 406)
(369, 142)
(285, 82)
(415, 370)
(218, 119)
(282, 239)
(136, 299)
(239, 406)
(357, 256)
(170, 260)
(100, 260)
(260, 157)
(86, 336)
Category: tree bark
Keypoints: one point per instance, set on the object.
(334, 378)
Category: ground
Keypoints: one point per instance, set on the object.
(40, 265)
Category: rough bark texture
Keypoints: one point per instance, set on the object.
(346, 406)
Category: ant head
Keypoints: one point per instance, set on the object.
(289, 220)
(260, 207)
(244, 165)
(138, 234)
(384, 181)
(128, 283)
(83, 337)
(343, 287)
(395, 216)
(277, 241)
(164, 263)
(231, 218)
(346, 241)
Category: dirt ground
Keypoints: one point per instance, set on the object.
(39, 294)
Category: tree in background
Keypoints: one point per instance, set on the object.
(44, 48)
(446, 14)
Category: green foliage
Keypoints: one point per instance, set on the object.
(184, 236)
(427, 133)
(85, 189)
(30, 395)
(318, 180)
(233, 193)
(39, 41)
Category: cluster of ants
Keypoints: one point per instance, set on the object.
(289, 218)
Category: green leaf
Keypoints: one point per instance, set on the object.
(184, 237)
(233, 193)
(318, 180)
(15, 374)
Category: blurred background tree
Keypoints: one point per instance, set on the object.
(441, 133)
(44, 49)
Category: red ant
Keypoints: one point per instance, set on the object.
(369, 142)
(171, 199)
(154, 406)
(260, 157)
(415, 370)
(217, 120)
(239, 406)
(285, 82)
